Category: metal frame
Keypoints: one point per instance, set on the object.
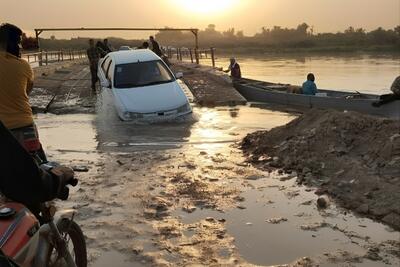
(192, 30)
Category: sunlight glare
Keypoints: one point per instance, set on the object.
(206, 6)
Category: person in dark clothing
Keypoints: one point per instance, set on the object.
(145, 45)
(387, 98)
(5, 261)
(94, 57)
(155, 47)
(106, 46)
(234, 68)
(23, 181)
(100, 50)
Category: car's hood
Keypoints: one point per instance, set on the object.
(161, 97)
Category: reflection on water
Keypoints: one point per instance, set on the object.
(263, 243)
(213, 131)
(206, 126)
(70, 136)
(364, 73)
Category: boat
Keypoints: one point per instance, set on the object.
(267, 92)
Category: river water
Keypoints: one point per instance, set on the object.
(124, 158)
(361, 72)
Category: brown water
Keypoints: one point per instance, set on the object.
(364, 73)
(263, 243)
(82, 139)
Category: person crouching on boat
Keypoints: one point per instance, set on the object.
(309, 87)
(384, 99)
(234, 68)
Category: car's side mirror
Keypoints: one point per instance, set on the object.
(105, 84)
(179, 75)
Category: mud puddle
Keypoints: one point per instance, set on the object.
(116, 259)
(68, 137)
(277, 222)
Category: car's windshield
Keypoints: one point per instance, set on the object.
(141, 74)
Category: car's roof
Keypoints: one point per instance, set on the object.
(130, 56)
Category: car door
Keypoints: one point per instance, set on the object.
(102, 72)
(110, 78)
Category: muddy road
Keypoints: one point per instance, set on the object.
(182, 194)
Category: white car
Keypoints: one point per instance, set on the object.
(124, 48)
(142, 85)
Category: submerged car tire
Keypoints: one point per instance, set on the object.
(71, 231)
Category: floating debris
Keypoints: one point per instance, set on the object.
(276, 220)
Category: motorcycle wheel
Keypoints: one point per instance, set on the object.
(75, 240)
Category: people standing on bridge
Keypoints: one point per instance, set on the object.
(155, 47)
(145, 45)
(387, 98)
(107, 47)
(234, 69)
(309, 87)
(93, 55)
(16, 83)
(100, 50)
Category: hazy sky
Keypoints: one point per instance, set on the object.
(247, 15)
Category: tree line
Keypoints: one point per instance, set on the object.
(303, 36)
(275, 38)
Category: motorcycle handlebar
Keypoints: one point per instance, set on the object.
(73, 182)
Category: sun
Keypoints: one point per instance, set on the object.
(205, 6)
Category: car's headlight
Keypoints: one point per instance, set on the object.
(184, 108)
(132, 115)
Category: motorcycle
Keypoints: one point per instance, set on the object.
(53, 240)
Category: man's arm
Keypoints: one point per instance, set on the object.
(30, 76)
(314, 88)
(20, 178)
(89, 55)
(29, 87)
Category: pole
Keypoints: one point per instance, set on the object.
(41, 58)
(191, 55)
(213, 57)
(37, 39)
(196, 36)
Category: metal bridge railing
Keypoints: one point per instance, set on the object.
(191, 54)
(47, 57)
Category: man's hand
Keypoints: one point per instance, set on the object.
(66, 174)
(66, 177)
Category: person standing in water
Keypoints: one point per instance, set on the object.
(93, 55)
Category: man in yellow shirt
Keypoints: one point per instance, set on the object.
(16, 82)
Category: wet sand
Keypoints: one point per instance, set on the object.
(181, 193)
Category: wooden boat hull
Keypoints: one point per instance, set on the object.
(257, 91)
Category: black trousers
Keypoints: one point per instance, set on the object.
(93, 72)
